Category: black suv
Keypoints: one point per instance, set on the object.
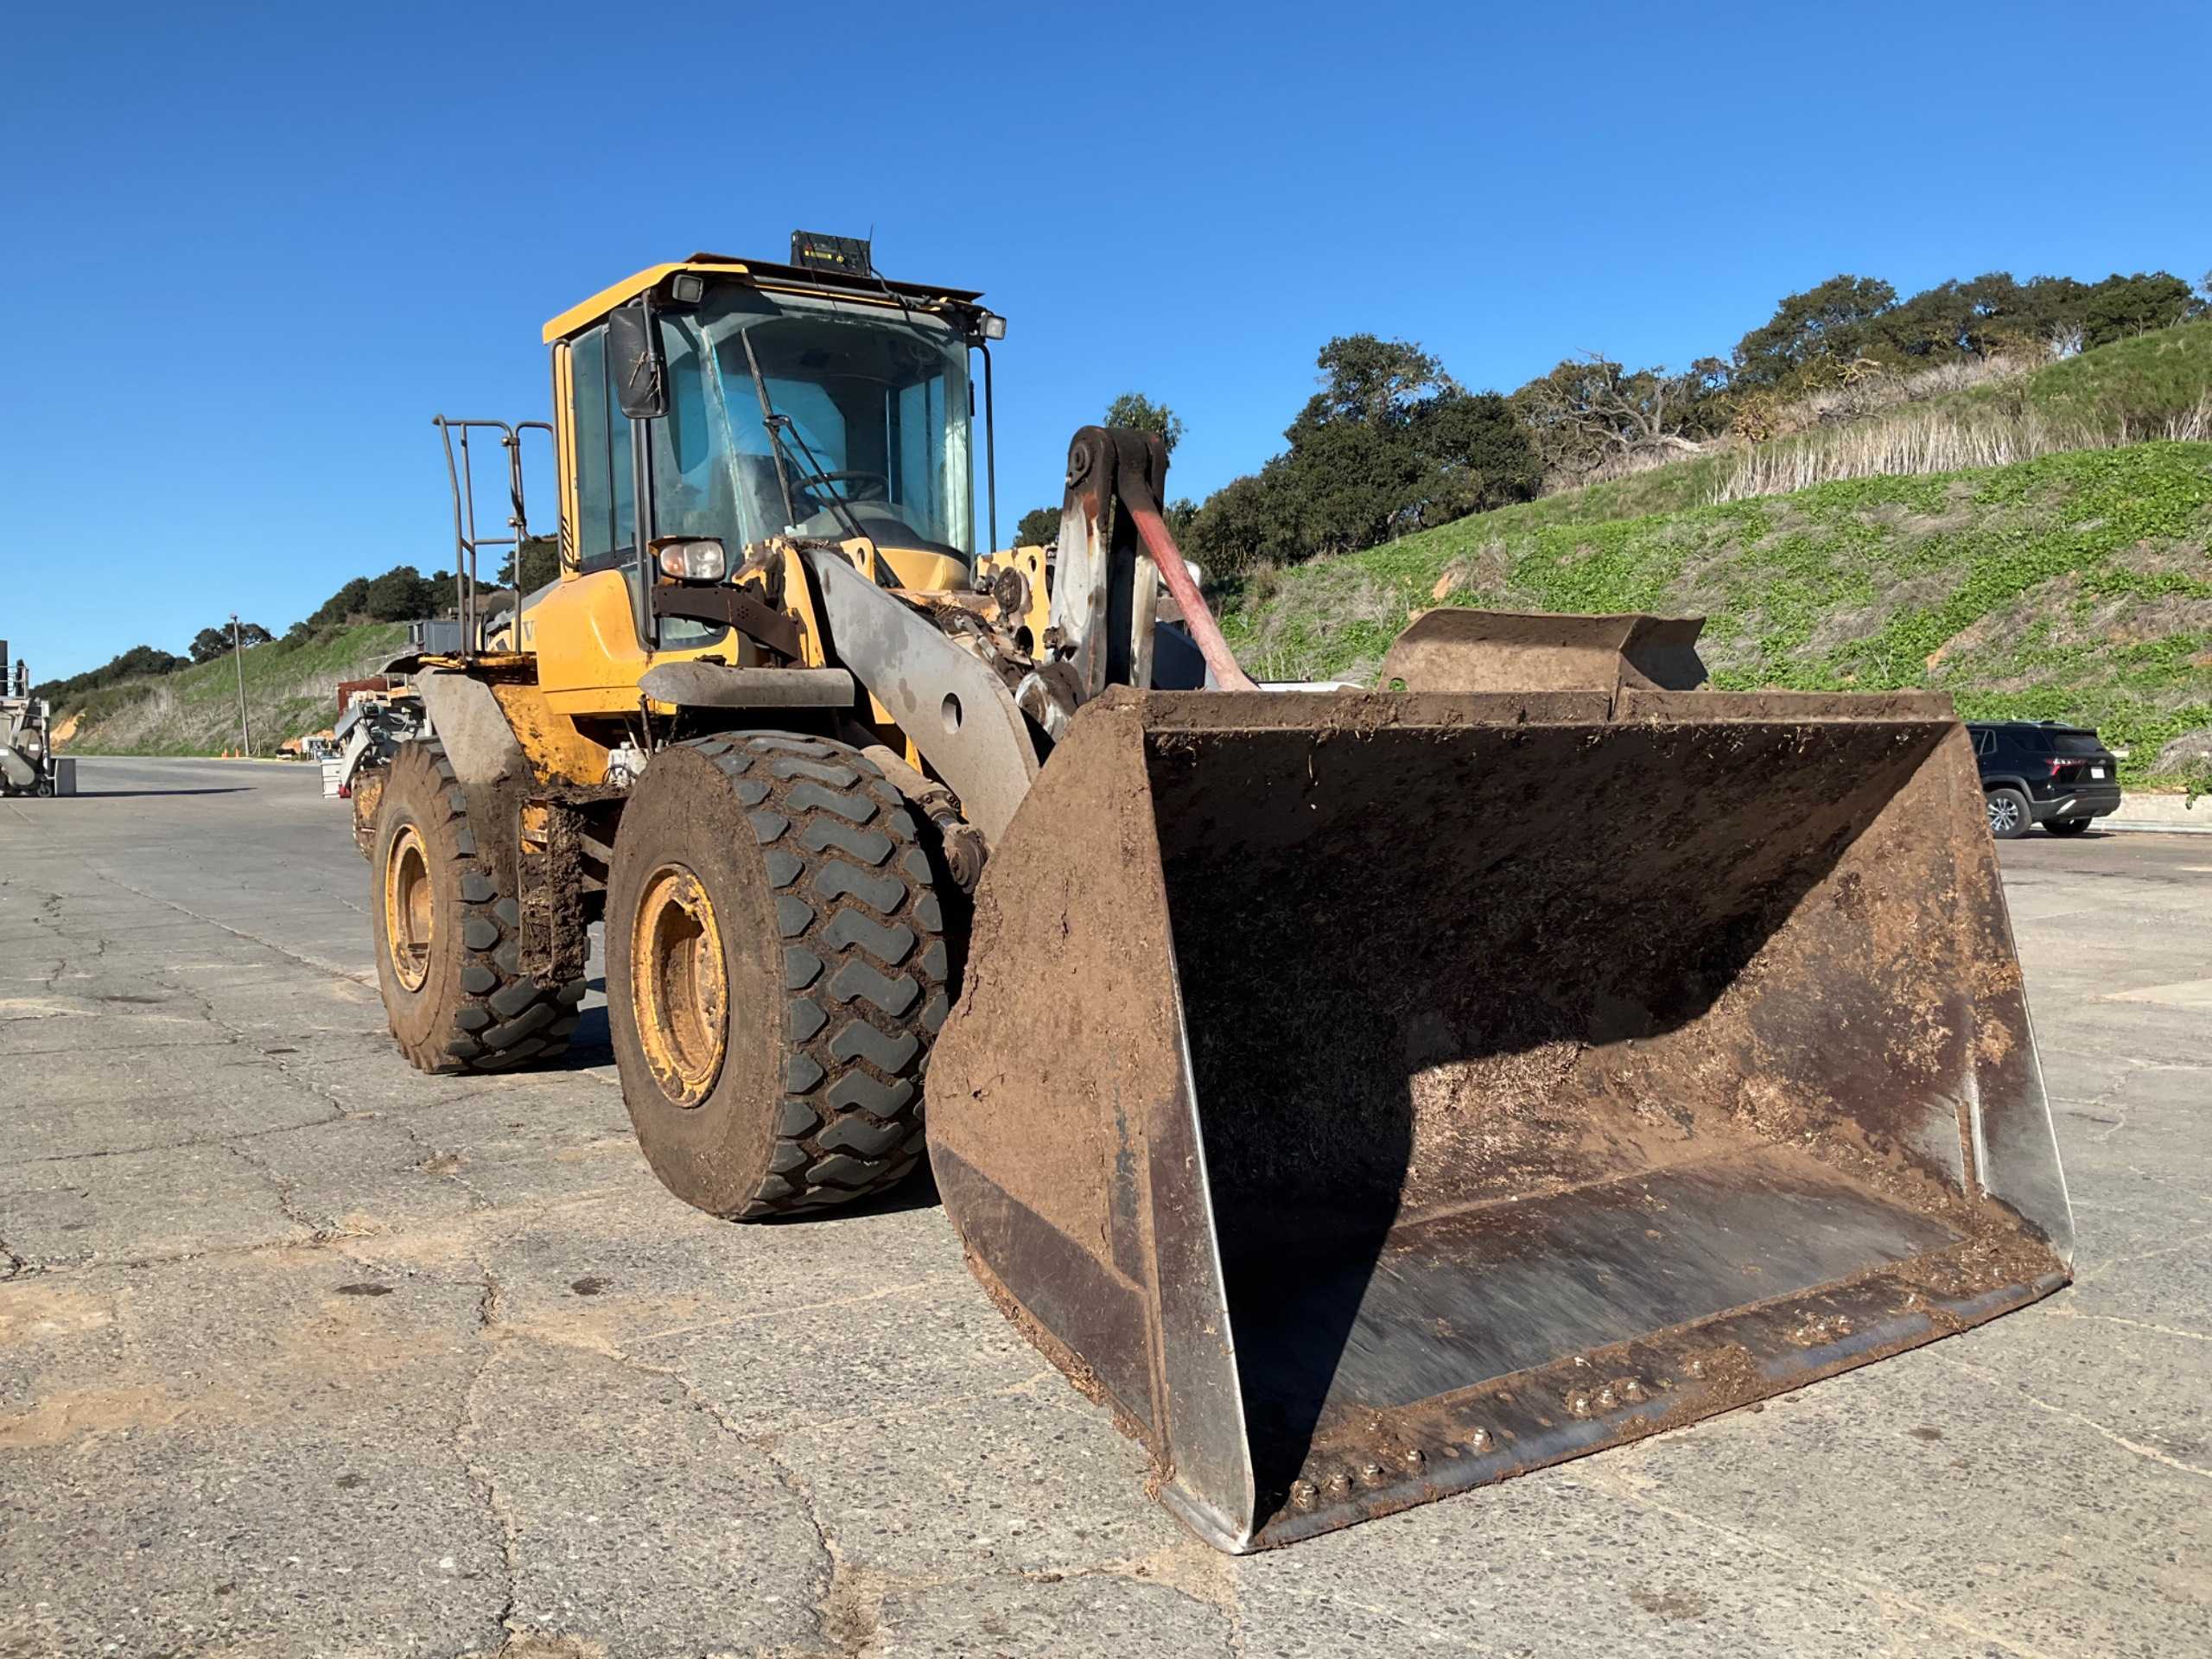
(2039, 771)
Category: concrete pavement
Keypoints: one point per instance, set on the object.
(302, 1353)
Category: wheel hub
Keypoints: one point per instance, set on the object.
(409, 917)
(680, 989)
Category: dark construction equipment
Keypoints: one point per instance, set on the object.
(29, 764)
(1367, 1096)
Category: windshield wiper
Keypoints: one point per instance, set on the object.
(781, 427)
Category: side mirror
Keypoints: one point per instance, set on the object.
(634, 356)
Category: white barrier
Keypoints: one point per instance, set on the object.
(2165, 814)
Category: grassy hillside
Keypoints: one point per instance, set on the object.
(289, 690)
(2156, 386)
(2074, 586)
(2145, 381)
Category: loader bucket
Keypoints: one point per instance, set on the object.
(1367, 1097)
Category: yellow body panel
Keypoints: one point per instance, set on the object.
(582, 316)
(585, 638)
(931, 573)
(1030, 562)
(564, 449)
(550, 740)
(591, 311)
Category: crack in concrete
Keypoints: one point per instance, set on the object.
(847, 1616)
(2112, 1126)
(1982, 1373)
(848, 1607)
(2189, 1189)
(806, 1307)
(238, 1035)
(286, 1191)
(480, 1474)
(2137, 1324)
(229, 1140)
(2083, 1282)
(105, 1047)
(1199, 1574)
(1881, 1593)
(325, 969)
(91, 1261)
(445, 1163)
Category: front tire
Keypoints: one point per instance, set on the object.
(448, 934)
(2009, 816)
(2067, 826)
(777, 969)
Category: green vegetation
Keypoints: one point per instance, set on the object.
(211, 643)
(1040, 526)
(1393, 444)
(2151, 385)
(1140, 414)
(137, 662)
(400, 595)
(2072, 587)
(149, 701)
(289, 690)
(2146, 379)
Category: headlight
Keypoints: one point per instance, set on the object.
(701, 560)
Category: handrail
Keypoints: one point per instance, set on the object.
(460, 478)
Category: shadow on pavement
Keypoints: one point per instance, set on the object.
(212, 789)
(588, 1045)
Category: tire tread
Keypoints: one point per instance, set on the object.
(864, 965)
(501, 1018)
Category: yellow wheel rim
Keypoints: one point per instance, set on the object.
(679, 991)
(408, 911)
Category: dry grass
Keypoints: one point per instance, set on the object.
(1952, 439)
(1863, 399)
(289, 689)
(1883, 390)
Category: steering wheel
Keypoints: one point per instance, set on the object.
(880, 490)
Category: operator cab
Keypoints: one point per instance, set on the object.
(738, 400)
(706, 408)
(791, 411)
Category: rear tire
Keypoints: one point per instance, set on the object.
(2067, 826)
(448, 939)
(2009, 816)
(777, 969)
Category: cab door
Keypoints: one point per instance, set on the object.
(590, 653)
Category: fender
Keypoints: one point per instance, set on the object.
(959, 714)
(468, 719)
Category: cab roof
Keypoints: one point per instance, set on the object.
(766, 274)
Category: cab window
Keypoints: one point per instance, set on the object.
(606, 481)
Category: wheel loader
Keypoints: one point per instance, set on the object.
(1363, 1096)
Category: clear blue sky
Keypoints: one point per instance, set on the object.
(249, 252)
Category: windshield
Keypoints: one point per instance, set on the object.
(878, 420)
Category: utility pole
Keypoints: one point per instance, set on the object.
(238, 657)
